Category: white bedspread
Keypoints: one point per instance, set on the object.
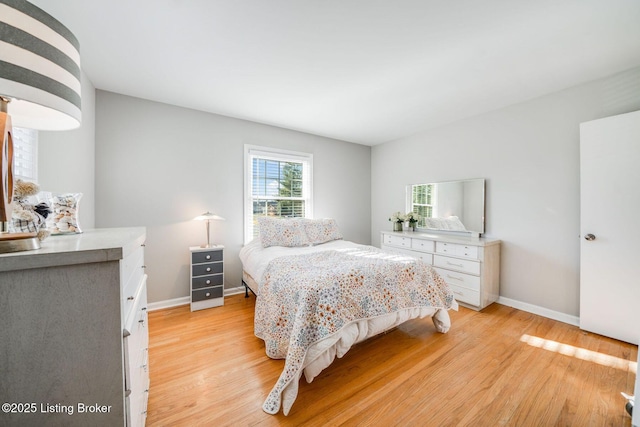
(255, 258)
(313, 358)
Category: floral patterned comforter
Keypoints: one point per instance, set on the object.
(304, 299)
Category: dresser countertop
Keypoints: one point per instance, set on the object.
(448, 238)
(98, 245)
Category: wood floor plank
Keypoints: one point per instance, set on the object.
(501, 366)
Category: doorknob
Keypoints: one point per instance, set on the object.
(590, 237)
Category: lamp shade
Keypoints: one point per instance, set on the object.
(39, 68)
(208, 216)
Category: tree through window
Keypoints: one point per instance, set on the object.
(278, 185)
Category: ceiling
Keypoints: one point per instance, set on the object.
(364, 71)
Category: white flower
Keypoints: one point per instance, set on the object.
(412, 217)
(397, 217)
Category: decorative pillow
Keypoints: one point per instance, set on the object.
(282, 232)
(64, 216)
(322, 230)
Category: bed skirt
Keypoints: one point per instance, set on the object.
(322, 353)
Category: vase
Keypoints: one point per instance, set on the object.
(412, 226)
(397, 226)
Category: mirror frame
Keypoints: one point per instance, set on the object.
(475, 231)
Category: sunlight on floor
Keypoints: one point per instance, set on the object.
(581, 353)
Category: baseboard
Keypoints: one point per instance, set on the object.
(152, 306)
(234, 291)
(540, 311)
(159, 305)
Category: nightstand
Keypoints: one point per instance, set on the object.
(207, 277)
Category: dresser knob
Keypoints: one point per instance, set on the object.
(208, 257)
(130, 298)
(590, 237)
(208, 294)
(208, 268)
(208, 282)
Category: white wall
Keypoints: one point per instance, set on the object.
(529, 154)
(66, 159)
(159, 166)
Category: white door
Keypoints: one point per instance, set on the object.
(610, 226)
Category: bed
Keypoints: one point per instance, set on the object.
(317, 295)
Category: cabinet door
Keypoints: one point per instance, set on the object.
(609, 206)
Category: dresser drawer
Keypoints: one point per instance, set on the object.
(467, 251)
(462, 265)
(398, 241)
(205, 269)
(132, 268)
(465, 295)
(136, 343)
(206, 256)
(131, 265)
(205, 294)
(425, 257)
(459, 279)
(422, 245)
(136, 404)
(207, 281)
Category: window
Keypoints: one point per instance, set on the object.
(421, 201)
(25, 154)
(278, 184)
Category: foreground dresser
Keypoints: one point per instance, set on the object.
(470, 266)
(73, 331)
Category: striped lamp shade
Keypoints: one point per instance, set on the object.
(39, 68)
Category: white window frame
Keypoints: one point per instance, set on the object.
(25, 154)
(256, 151)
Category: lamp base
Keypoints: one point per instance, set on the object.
(207, 246)
(18, 242)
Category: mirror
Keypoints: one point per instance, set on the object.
(456, 206)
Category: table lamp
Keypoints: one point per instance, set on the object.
(208, 217)
(40, 85)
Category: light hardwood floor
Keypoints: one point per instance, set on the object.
(497, 367)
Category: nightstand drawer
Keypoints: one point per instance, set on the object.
(205, 269)
(206, 256)
(205, 294)
(206, 281)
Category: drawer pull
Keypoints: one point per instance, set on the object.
(208, 282)
(454, 264)
(130, 298)
(208, 269)
(208, 294)
(208, 257)
(454, 277)
(144, 266)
